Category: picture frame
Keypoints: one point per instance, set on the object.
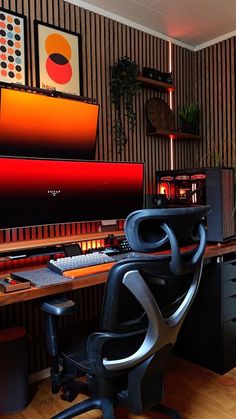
(13, 48)
(58, 59)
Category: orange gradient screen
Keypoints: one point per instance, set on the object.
(35, 125)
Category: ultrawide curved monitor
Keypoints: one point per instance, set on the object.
(36, 125)
(38, 192)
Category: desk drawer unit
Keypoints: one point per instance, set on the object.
(229, 330)
(208, 335)
(229, 288)
(228, 308)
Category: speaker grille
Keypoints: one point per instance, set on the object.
(156, 201)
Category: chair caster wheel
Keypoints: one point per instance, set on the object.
(69, 394)
(55, 388)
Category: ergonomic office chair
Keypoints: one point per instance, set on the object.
(146, 299)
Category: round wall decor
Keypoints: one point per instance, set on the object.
(159, 114)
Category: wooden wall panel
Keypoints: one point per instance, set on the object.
(215, 84)
(103, 41)
(184, 78)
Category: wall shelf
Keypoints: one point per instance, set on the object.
(155, 84)
(173, 134)
(164, 87)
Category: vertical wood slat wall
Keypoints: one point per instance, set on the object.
(103, 41)
(215, 86)
(183, 65)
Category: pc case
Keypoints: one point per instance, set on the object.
(213, 186)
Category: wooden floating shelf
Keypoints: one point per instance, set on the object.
(155, 84)
(174, 134)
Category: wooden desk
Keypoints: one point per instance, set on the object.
(91, 276)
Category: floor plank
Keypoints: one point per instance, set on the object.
(194, 391)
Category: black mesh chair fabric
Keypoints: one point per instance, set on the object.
(146, 300)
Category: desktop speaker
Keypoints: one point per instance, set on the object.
(156, 201)
(152, 73)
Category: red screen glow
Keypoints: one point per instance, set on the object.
(36, 192)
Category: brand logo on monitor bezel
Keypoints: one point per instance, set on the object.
(54, 192)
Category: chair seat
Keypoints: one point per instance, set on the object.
(144, 305)
(74, 350)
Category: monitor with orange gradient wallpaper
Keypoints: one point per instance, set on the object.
(36, 125)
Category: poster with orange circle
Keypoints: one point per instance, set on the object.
(58, 59)
(13, 65)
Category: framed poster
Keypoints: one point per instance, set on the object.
(13, 61)
(58, 59)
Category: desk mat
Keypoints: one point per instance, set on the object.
(42, 277)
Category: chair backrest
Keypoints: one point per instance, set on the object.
(147, 296)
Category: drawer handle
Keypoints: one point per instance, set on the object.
(233, 263)
(233, 320)
(233, 280)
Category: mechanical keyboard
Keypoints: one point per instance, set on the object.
(79, 261)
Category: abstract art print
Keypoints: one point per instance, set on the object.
(13, 65)
(58, 59)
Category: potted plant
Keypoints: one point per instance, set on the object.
(189, 118)
(124, 86)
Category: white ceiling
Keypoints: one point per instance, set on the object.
(195, 23)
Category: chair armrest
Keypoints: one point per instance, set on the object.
(58, 306)
(95, 346)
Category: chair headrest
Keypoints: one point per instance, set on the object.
(144, 228)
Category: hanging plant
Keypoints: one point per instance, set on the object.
(124, 86)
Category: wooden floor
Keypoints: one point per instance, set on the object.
(195, 392)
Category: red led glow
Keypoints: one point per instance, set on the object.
(31, 175)
(60, 191)
(167, 178)
(164, 188)
(198, 176)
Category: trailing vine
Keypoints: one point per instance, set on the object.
(124, 86)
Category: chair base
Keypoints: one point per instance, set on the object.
(167, 411)
(103, 404)
(72, 388)
(107, 408)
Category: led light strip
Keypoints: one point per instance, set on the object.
(171, 107)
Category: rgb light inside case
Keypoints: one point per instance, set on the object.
(35, 125)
